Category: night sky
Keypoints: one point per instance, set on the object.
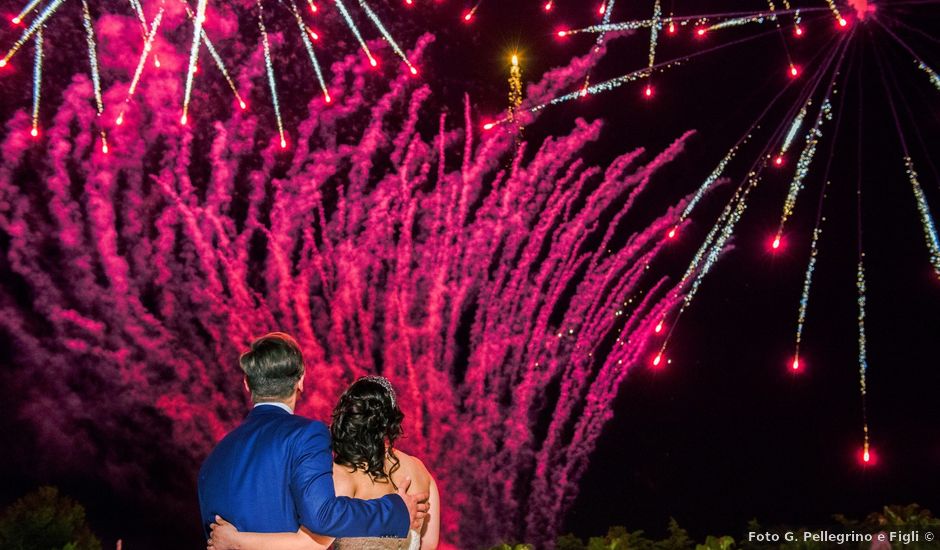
(726, 432)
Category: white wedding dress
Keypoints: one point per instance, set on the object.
(412, 542)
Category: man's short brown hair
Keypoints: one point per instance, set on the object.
(272, 366)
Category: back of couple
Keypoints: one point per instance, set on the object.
(275, 483)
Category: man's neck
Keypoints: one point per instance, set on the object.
(286, 405)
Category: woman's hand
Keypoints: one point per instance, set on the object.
(224, 535)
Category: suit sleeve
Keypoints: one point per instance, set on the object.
(322, 511)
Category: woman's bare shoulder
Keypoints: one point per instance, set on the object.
(412, 467)
(344, 484)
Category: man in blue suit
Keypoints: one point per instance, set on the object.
(274, 472)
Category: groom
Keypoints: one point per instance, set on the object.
(274, 472)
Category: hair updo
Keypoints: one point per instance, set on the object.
(365, 419)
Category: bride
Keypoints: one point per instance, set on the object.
(366, 424)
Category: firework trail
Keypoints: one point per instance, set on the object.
(269, 70)
(304, 36)
(32, 29)
(474, 275)
(95, 73)
(355, 30)
(37, 84)
(194, 57)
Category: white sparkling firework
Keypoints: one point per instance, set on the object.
(218, 60)
(654, 33)
(611, 27)
(355, 30)
(148, 45)
(37, 82)
(93, 62)
(304, 30)
(32, 29)
(862, 350)
(25, 11)
(804, 162)
(931, 74)
(709, 181)
(759, 18)
(807, 284)
(269, 67)
(387, 35)
(926, 219)
(193, 57)
(794, 128)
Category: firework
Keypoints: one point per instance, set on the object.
(148, 46)
(411, 243)
(304, 31)
(37, 83)
(194, 56)
(32, 29)
(355, 30)
(269, 70)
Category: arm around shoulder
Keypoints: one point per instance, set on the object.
(322, 511)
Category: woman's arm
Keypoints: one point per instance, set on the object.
(226, 537)
(431, 532)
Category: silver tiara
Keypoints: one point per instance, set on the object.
(382, 381)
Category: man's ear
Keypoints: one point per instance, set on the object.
(300, 383)
(245, 382)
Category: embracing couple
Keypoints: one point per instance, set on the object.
(276, 481)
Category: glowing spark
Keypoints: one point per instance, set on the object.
(355, 30)
(794, 71)
(31, 30)
(659, 327)
(269, 67)
(700, 31)
(148, 45)
(672, 28)
(926, 219)
(313, 7)
(672, 233)
(657, 359)
(796, 364)
(798, 30)
(648, 92)
(776, 243)
(804, 162)
(193, 56)
(548, 6)
(309, 47)
(778, 161)
(386, 35)
(37, 83)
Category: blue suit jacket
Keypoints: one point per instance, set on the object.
(274, 473)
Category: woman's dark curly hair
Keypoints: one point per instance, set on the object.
(367, 418)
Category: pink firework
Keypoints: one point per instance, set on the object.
(491, 280)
